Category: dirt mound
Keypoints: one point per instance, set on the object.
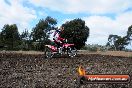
(35, 71)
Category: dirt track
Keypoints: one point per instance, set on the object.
(34, 71)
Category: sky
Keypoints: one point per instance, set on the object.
(103, 17)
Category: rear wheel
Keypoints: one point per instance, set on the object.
(48, 53)
(72, 52)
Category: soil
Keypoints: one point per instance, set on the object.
(19, 70)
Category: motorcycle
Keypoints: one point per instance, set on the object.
(51, 50)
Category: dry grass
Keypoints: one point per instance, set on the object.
(111, 53)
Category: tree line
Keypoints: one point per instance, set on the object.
(116, 42)
(10, 39)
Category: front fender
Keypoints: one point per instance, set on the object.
(68, 45)
(53, 48)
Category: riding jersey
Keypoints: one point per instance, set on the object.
(57, 38)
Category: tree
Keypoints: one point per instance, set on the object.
(25, 37)
(1, 43)
(39, 31)
(121, 43)
(117, 42)
(129, 34)
(10, 36)
(76, 32)
(112, 41)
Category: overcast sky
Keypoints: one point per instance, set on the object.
(103, 17)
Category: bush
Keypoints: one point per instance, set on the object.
(90, 48)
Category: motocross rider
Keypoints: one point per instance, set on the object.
(57, 39)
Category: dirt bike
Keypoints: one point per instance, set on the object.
(51, 50)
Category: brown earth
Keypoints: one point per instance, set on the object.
(32, 70)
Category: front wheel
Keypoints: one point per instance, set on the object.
(48, 53)
(72, 52)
